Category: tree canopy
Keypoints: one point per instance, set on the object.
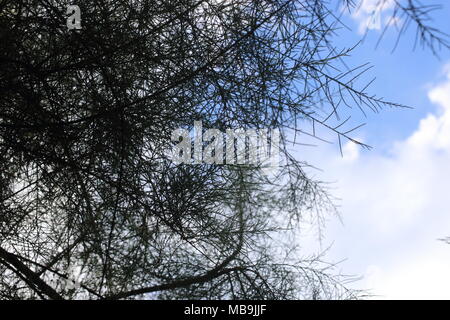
(92, 205)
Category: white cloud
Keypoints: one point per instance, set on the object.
(350, 151)
(369, 14)
(395, 207)
(423, 276)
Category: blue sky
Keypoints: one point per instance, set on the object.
(402, 75)
(394, 199)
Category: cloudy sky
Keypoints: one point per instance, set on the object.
(395, 199)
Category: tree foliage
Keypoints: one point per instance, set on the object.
(88, 192)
